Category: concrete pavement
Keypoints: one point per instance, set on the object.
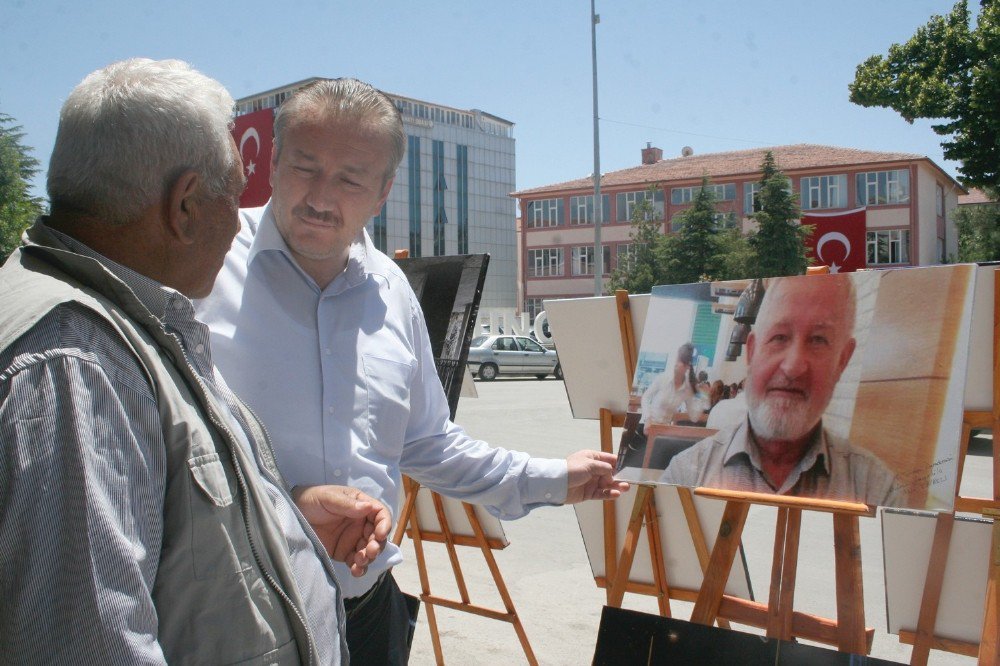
(546, 567)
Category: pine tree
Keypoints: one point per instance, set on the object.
(643, 270)
(693, 254)
(18, 209)
(778, 245)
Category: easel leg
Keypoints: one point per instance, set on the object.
(933, 582)
(784, 567)
(656, 558)
(628, 549)
(706, 608)
(850, 589)
(988, 653)
(686, 498)
(425, 588)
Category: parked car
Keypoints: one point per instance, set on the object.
(492, 355)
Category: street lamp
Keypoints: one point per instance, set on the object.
(598, 204)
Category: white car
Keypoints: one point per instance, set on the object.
(492, 355)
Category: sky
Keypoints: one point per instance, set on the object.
(715, 75)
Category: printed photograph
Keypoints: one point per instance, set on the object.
(847, 386)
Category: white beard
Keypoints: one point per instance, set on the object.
(779, 418)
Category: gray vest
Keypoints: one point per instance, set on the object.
(224, 589)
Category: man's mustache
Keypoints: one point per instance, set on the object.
(308, 212)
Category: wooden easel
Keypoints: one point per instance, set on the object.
(923, 639)
(409, 523)
(617, 567)
(848, 633)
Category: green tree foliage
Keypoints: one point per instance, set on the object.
(979, 231)
(736, 259)
(644, 269)
(692, 255)
(18, 209)
(946, 71)
(778, 245)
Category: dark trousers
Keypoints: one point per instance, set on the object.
(380, 624)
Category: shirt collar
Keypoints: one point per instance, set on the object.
(154, 296)
(360, 262)
(739, 443)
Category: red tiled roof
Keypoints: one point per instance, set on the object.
(732, 164)
(975, 196)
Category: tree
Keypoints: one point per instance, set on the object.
(946, 71)
(693, 253)
(643, 269)
(736, 259)
(778, 246)
(18, 209)
(979, 231)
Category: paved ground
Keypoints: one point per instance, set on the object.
(546, 567)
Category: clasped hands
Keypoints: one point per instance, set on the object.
(352, 526)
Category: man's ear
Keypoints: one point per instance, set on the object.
(845, 355)
(751, 343)
(181, 202)
(274, 163)
(385, 195)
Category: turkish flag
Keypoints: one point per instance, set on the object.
(253, 133)
(837, 240)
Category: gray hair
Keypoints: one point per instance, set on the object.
(129, 129)
(835, 282)
(346, 100)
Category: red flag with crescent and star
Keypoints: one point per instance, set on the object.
(837, 240)
(253, 133)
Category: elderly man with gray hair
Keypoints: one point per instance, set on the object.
(142, 517)
(799, 346)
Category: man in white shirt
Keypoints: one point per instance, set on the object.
(323, 336)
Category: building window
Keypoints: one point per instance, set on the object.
(462, 155)
(627, 201)
(583, 260)
(545, 262)
(581, 209)
(751, 198)
(532, 306)
(440, 215)
(685, 195)
(824, 192)
(413, 157)
(876, 188)
(722, 221)
(544, 213)
(889, 247)
(379, 231)
(624, 256)
(939, 200)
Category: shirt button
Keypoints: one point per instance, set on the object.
(200, 348)
(330, 409)
(178, 305)
(548, 495)
(337, 473)
(327, 351)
